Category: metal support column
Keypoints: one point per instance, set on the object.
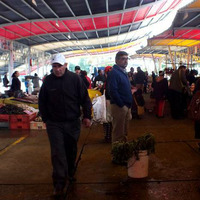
(171, 58)
(28, 62)
(11, 62)
(154, 61)
(188, 58)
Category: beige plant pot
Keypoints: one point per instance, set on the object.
(138, 168)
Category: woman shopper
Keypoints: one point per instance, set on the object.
(107, 126)
(5, 81)
(160, 93)
(194, 110)
(16, 84)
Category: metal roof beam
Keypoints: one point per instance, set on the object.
(187, 28)
(49, 8)
(21, 37)
(122, 17)
(86, 16)
(89, 9)
(51, 24)
(190, 20)
(141, 1)
(33, 9)
(16, 12)
(189, 10)
(108, 23)
(5, 19)
(177, 37)
(75, 18)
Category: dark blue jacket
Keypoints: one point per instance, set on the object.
(119, 87)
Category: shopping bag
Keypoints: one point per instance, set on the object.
(99, 109)
(140, 110)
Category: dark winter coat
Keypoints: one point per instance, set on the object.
(60, 98)
(160, 89)
(16, 84)
(119, 87)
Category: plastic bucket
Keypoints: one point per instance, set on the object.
(138, 168)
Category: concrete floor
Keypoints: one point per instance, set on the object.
(174, 171)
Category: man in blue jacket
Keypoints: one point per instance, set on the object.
(121, 97)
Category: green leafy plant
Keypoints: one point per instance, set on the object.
(123, 151)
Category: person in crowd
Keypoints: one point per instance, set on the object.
(78, 71)
(177, 93)
(187, 72)
(5, 81)
(99, 79)
(35, 80)
(131, 76)
(60, 98)
(16, 84)
(160, 93)
(89, 85)
(107, 126)
(30, 86)
(153, 76)
(121, 97)
(145, 82)
(138, 101)
(191, 77)
(45, 76)
(26, 84)
(194, 111)
(139, 78)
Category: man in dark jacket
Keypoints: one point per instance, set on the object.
(177, 97)
(99, 78)
(60, 98)
(139, 78)
(79, 72)
(121, 97)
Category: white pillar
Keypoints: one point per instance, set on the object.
(11, 63)
(38, 68)
(43, 64)
(28, 63)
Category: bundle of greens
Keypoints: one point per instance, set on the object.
(123, 151)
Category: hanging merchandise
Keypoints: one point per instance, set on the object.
(30, 62)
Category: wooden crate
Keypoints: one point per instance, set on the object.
(19, 125)
(37, 125)
(21, 121)
(23, 118)
(4, 117)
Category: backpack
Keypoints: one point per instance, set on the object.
(194, 107)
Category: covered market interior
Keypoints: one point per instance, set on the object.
(158, 35)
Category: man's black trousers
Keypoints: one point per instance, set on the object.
(63, 137)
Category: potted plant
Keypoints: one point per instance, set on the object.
(134, 154)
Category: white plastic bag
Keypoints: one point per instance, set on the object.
(99, 109)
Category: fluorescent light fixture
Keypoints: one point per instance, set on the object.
(57, 24)
(34, 2)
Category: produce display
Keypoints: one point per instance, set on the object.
(27, 108)
(38, 119)
(11, 109)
